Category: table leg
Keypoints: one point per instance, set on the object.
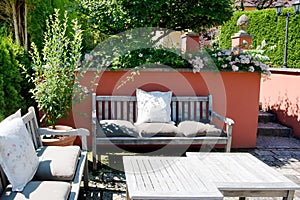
(290, 195)
(127, 195)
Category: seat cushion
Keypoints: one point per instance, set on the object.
(57, 163)
(193, 128)
(37, 190)
(118, 128)
(158, 130)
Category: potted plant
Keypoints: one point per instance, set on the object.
(56, 68)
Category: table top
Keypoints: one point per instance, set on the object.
(239, 171)
(166, 178)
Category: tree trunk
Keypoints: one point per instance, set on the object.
(20, 20)
(15, 20)
(25, 27)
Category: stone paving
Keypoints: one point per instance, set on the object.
(281, 153)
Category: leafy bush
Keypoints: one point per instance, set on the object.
(150, 57)
(56, 68)
(203, 60)
(266, 25)
(13, 86)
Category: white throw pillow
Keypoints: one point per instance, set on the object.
(17, 154)
(13, 116)
(153, 106)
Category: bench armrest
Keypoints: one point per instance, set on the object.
(226, 120)
(74, 132)
(79, 132)
(229, 122)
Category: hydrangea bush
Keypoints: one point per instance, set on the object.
(227, 60)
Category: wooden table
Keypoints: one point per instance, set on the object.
(242, 175)
(166, 178)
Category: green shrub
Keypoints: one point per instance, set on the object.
(56, 68)
(13, 86)
(265, 25)
(150, 57)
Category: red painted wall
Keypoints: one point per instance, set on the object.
(281, 94)
(235, 95)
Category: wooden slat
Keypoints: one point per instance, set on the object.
(192, 111)
(158, 172)
(119, 114)
(106, 110)
(198, 118)
(99, 107)
(204, 116)
(180, 111)
(173, 111)
(131, 113)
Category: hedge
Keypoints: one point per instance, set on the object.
(13, 85)
(266, 25)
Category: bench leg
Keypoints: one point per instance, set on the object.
(94, 160)
(228, 145)
(290, 195)
(86, 175)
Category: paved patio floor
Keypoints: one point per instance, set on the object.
(281, 153)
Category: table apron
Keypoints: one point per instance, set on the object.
(256, 193)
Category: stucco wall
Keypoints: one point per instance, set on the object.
(281, 94)
(235, 95)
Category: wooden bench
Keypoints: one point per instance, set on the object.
(195, 108)
(35, 133)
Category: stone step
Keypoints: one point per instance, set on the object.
(265, 117)
(273, 129)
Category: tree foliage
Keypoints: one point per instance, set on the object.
(258, 4)
(26, 18)
(110, 17)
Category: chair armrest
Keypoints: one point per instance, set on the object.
(82, 132)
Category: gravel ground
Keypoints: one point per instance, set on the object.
(283, 154)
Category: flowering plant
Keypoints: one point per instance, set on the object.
(227, 60)
(56, 69)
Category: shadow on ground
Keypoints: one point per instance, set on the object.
(283, 154)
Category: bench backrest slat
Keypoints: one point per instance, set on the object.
(32, 126)
(182, 107)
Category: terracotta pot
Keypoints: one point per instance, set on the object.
(60, 140)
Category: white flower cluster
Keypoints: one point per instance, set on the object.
(197, 63)
(228, 61)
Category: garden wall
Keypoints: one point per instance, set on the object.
(235, 95)
(281, 94)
